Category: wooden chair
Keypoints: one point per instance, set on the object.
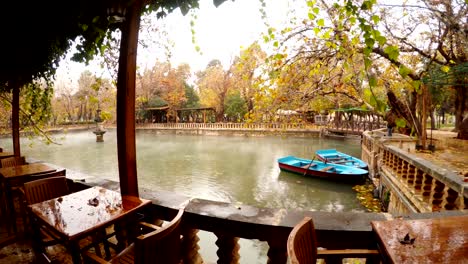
(12, 161)
(302, 243)
(160, 246)
(44, 189)
(38, 191)
(9, 162)
(22, 194)
(57, 173)
(302, 247)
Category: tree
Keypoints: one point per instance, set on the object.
(310, 72)
(193, 100)
(165, 82)
(436, 32)
(235, 107)
(214, 84)
(246, 69)
(407, 37)
(63, 103)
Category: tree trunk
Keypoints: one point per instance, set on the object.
(423, 122)
(433, 120)
(15, 120)
(460, 105)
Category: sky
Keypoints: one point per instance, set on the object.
(219, 32)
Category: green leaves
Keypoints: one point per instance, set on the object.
(372, 81)
(367, 5)
(381, 40)
(321, 22)
(376, 19)
(400, 122)
(416, 84)
(369, 42)
(393, 52)
(403, 71)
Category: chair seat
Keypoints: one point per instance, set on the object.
(302, 247)
(126, 256)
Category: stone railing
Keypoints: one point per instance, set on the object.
(230, 222)
(237, 126)
(408, 182)
(354, 126)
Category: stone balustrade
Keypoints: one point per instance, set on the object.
(238, 126)
(229, 223)
(354, 126)
(410, 183)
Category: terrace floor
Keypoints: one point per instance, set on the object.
(18, 249)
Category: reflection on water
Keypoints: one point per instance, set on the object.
(240, 170)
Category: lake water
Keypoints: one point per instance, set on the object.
(239, 170)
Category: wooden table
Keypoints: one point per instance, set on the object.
(16, 175)
(73, 217)
(6, 155)
(438, 240)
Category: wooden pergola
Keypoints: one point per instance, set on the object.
(204, 111)
(158, 114)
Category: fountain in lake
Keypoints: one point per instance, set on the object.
(99, 131)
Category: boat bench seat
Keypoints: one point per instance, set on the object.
(334, 159)
(308, 166)
(327, 168)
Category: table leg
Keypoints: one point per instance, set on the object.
(74, 248)
(10, 207)
(121, 236)
(36, 235)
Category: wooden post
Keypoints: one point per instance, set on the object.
(15, 120)
(126, 149)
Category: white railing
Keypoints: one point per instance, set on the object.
(233, 126)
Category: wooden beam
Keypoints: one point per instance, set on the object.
(15, 120)
(126, 149)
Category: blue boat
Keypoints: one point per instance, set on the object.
(336, 157)
(319, 169)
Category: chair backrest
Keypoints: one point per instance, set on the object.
(12, 161)
(302, 243)
(162, 246)
(62, 172)
(45, 189)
